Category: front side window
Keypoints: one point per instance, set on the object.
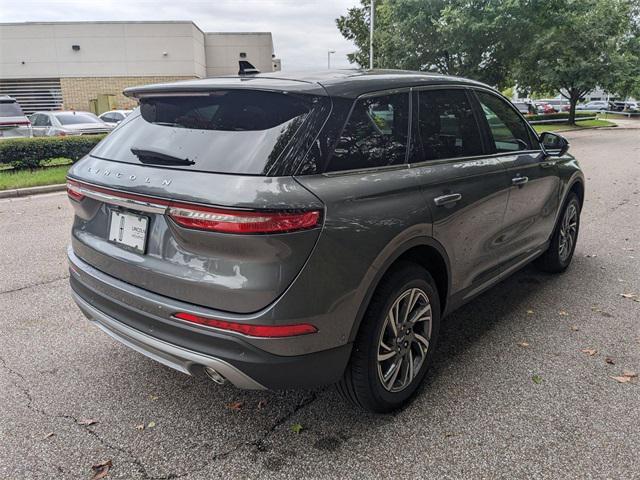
(446, 125)
(375, 134)
(509, 132)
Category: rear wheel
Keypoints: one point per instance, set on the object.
(396, 341)
(563, 243)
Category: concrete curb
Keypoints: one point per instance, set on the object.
(25, 192)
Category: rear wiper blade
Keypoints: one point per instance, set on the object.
(158, 158)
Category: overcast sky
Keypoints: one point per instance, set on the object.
(303, 30)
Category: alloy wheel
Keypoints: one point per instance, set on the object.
(404, 340)
(568, 232)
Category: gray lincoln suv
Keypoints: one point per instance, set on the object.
(295, 231)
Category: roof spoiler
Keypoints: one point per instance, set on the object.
(246, 68)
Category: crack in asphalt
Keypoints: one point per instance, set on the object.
(26, 287)
(257, 444)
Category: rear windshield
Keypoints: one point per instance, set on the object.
(225, 131)
(77, 118)
(10, 109)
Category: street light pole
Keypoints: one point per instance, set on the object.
(329, 52)
(371, 25)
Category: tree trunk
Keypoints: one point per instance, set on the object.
(573, 100)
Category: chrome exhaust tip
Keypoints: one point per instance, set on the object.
(215, 375)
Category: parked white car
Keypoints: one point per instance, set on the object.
(114, 116)
(52, 124)
(13, 122)
(596, 105)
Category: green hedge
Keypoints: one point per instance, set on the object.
(555, 116)
(24, 153)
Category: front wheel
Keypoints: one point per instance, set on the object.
(563, 243)
(396, 341)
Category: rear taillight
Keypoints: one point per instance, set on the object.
(73, 190)
(265, 331)
(200, 217)
(241, 221)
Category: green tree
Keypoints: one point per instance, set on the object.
(455, 37)
(579, 45)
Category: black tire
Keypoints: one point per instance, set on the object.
(361, 383)
(553, 261)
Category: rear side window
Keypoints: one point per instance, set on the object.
(508, 130)
(375, 134)
(239, 131)
(10, 109)
(446, 125)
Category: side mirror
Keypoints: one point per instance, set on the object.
(554, 145)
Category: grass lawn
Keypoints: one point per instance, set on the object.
(558, 127)
(27, 178)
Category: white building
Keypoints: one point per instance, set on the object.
(57, 65)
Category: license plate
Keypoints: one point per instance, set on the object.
(129, 230)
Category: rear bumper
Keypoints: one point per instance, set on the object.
(111, 305)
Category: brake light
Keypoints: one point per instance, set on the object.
(265, 331)
(73, 191)
(19, 122)
(240, 221)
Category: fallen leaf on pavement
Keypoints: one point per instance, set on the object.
(237, 406)
(87, 421)
(610, 360)
(153, 397)
(262, 404)
(629, 373)
(48, 435)
(140, 427)
(574, 328)
(529, 312)
(296, 428)
(630, 296)
(537, 379)
(151, 425)
(101, 470)
(523, 344)
(622, 379)
(562, 313)
(589, 351)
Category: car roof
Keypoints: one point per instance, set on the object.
(338, 83)
(7, 98)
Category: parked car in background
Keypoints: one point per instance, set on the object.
(52, 124)
(596, 106)
(558, 104)
(544, 108)
(293, 231)
(525, 108)
(114, 116)
(632, 107)
(13, 122)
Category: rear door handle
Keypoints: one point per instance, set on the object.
(519, 180)
(447, 199)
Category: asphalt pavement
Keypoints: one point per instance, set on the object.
(511, 393)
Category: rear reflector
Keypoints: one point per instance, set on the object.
(73, 190)
(265, 331)
(240, 221)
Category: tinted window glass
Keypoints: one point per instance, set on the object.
(10, 109)
(446, 125)
(245, 132)
(375, 134)
(508, 130)
(77, 118)
(227, 110)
